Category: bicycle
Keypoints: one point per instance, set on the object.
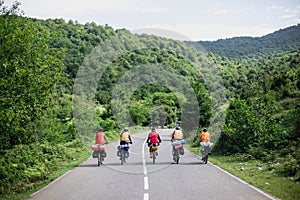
(177, 150)
(153, 151)
(99, 153)
(123, 153)
(100, 159)
(205, 150)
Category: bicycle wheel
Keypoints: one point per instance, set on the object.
(122, 157)
(205, 159)
(176, 156)
(153, 156)
(99, 159)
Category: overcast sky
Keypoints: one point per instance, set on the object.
(194, 19)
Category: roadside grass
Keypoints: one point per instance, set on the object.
(259, 174)
(64, 167)
(80, 155)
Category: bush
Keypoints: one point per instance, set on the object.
(290, 166)
(29, 165)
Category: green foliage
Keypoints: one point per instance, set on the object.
(77, 40)
(283, 40)
(252, 128)
(139, 112)
(263, 117)
(29, 72)
(145, 97)
(264, 175)
(57, 123)
(37, 125)
(27, 166)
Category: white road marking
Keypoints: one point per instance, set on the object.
(240, 180)
(244, 182)
(146, 196)
(146, 183)
(143, 158)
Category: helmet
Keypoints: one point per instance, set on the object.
(177, 127)
(152, 129)
(126, 129)
(204, 129)
(100, 129)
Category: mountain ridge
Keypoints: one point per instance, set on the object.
(282, 40)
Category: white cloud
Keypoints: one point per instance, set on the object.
(287, 16)
(295, 21)
(275, 7)
(197, 32)
(198, 20)
(124, 6)
(221, 9)
(226, 11)
(150, 9)
(162, 33)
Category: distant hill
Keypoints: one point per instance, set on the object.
(283, 40)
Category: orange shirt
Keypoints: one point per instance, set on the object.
(125, 136)
(177, 134)
(100, 138)
(204, 136)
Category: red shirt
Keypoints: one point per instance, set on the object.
(153, 137)
(100, 138)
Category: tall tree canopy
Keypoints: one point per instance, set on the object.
(29, 72)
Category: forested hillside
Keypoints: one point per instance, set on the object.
(263, 116)
(40, 60)
(283, 40)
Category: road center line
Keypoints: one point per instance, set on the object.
(146, 183)
(143, 158)
(146, 196)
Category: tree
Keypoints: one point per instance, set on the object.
(28, 76)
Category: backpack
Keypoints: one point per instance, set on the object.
(125, 136)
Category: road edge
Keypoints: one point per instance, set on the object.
(51, 183)
(271, 197)
(246, 183)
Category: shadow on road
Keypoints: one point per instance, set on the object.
(111, 164)
(159, 163)
(191, 163)
(88, 165)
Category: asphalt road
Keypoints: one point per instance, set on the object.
(139, 179)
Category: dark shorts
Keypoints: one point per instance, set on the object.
(123, 142)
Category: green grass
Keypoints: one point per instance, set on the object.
(80, 155)
(259, 174)
(64, 167)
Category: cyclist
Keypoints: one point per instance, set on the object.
(153, 139)
(125, 137)
(205, 138)
(101, 137)
(177, 135)
(100, 140)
